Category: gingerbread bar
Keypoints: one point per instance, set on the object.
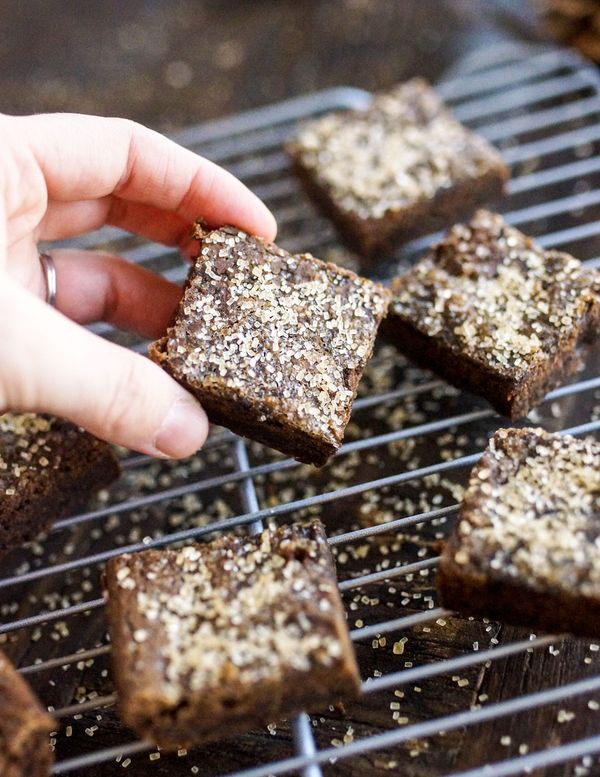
(526, 549)
(273, 345)
(25, 727)
(48, 469)
(492, 312)
(400, 169)
(575, 23)
(216, 639)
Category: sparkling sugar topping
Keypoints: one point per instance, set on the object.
(25, 449)
(275, 329)
(403, 149)
(490, 292)
(532, 510)
(239, 610)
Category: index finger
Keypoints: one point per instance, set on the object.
(88, 157)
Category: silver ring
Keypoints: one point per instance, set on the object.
(49, 271)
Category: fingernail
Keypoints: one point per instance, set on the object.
(183, 430)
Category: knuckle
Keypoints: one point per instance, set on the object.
(130, 130)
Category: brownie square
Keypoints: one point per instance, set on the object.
(48, 469)
(25, 727)
(400, 169)
(216, 639)
(493, 312)
(526, 549)
(273, 345)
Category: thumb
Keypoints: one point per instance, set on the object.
(49, 364)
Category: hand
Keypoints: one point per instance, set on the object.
(62, 175)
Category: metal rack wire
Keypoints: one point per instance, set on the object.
(542, 107)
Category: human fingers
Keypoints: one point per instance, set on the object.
(87, 157)
(67, 219)
(96, 286)
(50, 364)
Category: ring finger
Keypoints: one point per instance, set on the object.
(94, 286)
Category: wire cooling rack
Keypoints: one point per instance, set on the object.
(442, 695)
